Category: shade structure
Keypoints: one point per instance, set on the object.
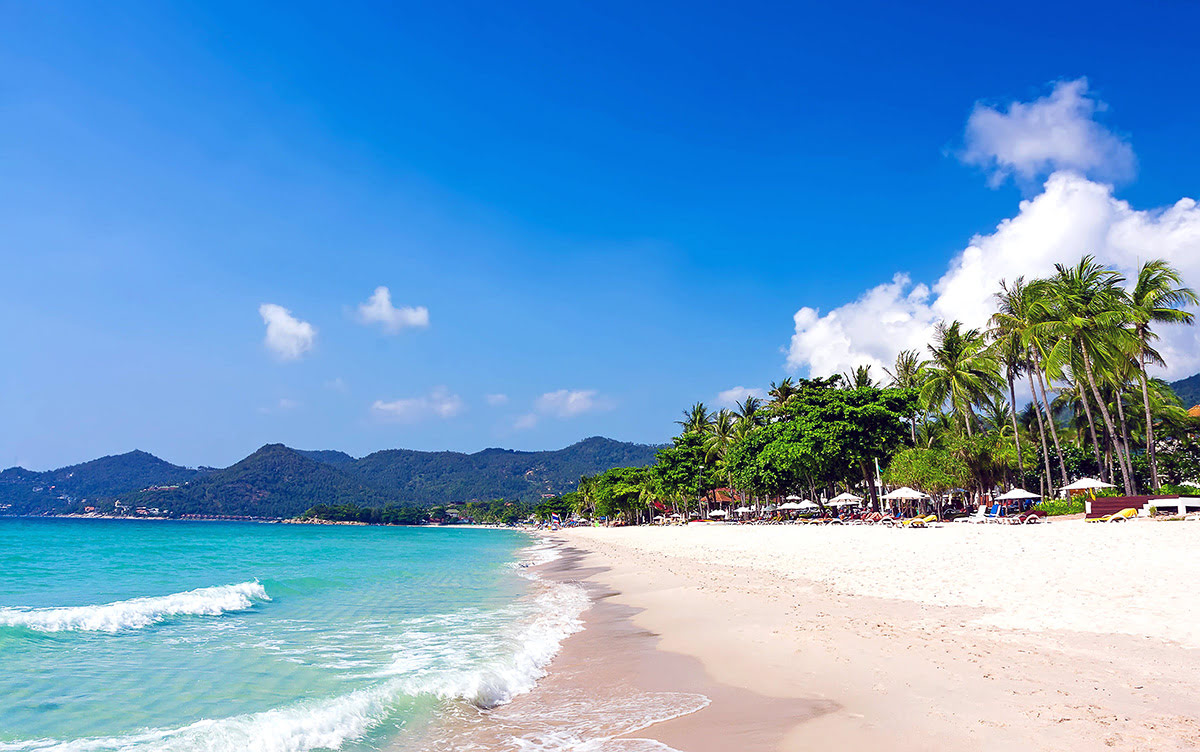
(743, 510)
(1017, 493)
(717, 513)
(792, 497)
(904, 492)
(791, 505)
(806, 504)
(845, 497)
(1087, 484)
(842, 503)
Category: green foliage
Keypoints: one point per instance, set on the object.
(388, 515)
(1059, 507)
(931, 470)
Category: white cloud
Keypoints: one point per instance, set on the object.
(562, 404)
(438, 403)
(1055, 132)
(379, 310)
(1072, 216)
(496, 400)
(734, 395)
(287, 336)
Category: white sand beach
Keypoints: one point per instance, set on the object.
(1061, 636)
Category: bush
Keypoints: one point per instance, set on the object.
(1058, 507)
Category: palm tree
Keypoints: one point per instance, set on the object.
(748, 410)
(908, 373)
(696, 419)
(1036, 310)
(783, 391)
(962, 371)
(859, 378)
(1157, 297)
(1008, 325)
(1088, 315)
(720, 436)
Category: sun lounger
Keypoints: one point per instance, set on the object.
(1127, 513)
(921, 521)
(995, 514)
(979, 516)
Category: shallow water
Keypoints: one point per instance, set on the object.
(233, 636)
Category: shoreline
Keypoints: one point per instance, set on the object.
(888, 673)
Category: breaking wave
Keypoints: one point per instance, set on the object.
(137, 613)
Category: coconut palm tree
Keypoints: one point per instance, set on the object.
(859, 378)
(749, 411)
(963, 371)
(783, 391)
(1157, 297)
(1008, 326)
(1036, 309)
(908, 373)
(696, 419)
(719, 436)
(1088, 314)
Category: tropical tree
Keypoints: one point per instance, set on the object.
(1157, 297)
(783, 391)
(696, 419)
(908, 373)
(859, 378)
(1088, 314)
(963, 371)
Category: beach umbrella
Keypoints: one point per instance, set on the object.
(845, 498)
(717, 513)
(743, 510)
(793, 497)
(1087, 484)
(806, 504)
(905, 493)
(790, 506)
(1017, 493)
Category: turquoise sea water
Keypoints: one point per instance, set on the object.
(232, 636)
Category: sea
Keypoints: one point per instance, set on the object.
(235, 637)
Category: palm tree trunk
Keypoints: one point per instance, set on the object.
(1091, 424)
(1121, 458)
(1062, 465)
(1037, 411)
(1012, 409)
(1150, 455)
(1125, 439)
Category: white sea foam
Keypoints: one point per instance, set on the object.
(136, 613)
(482, 657)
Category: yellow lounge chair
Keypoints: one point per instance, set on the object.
(921, 521)
(1128, 513)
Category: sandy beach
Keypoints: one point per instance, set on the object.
(1063, 636)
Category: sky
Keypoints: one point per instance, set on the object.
(462, 225)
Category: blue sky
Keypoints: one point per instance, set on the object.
(606, 212)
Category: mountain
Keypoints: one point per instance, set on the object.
(277, 481)
(446, 477)
(1188, 390)
(30, 492)
(328, 456)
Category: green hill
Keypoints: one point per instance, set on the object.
(277, 481)
(1188, 390)
(446, 477)
(30, 492)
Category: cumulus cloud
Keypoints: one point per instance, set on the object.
(287, 336)
(439, 403)
(379, 310)
(496, 400)
(1072, 216)
(1056, 132)
(562, 404)
(734, 395)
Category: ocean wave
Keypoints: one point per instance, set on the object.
(137, 613)
(482, 657)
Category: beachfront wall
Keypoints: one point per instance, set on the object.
(1111, 505)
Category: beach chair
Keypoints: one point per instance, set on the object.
(1032, 517)
(1128, 513)
(994, 514)
(921, 521)
(979, 516)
